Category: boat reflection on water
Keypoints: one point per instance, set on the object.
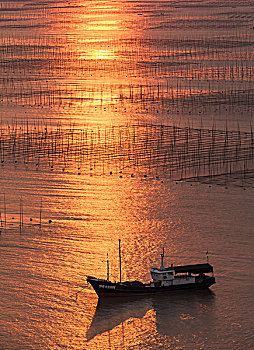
(111, 312)
(182, 312)
(171, 311)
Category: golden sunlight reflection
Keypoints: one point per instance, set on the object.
(102, 20)
(104, 25)
(102, 54)
(95, 72)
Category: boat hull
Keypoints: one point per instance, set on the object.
(105, 288)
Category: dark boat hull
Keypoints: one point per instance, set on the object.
(105, 288)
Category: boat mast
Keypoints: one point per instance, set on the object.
(107, 268)
(120, 261)
(162, 257)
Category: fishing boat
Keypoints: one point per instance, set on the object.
(164, 279)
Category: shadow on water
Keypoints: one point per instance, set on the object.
(172, 311)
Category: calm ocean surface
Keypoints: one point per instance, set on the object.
(103, 65)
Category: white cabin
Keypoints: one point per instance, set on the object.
(167, 277)
(163, 277)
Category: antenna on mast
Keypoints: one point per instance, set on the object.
(162, 257)
(207, 257)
